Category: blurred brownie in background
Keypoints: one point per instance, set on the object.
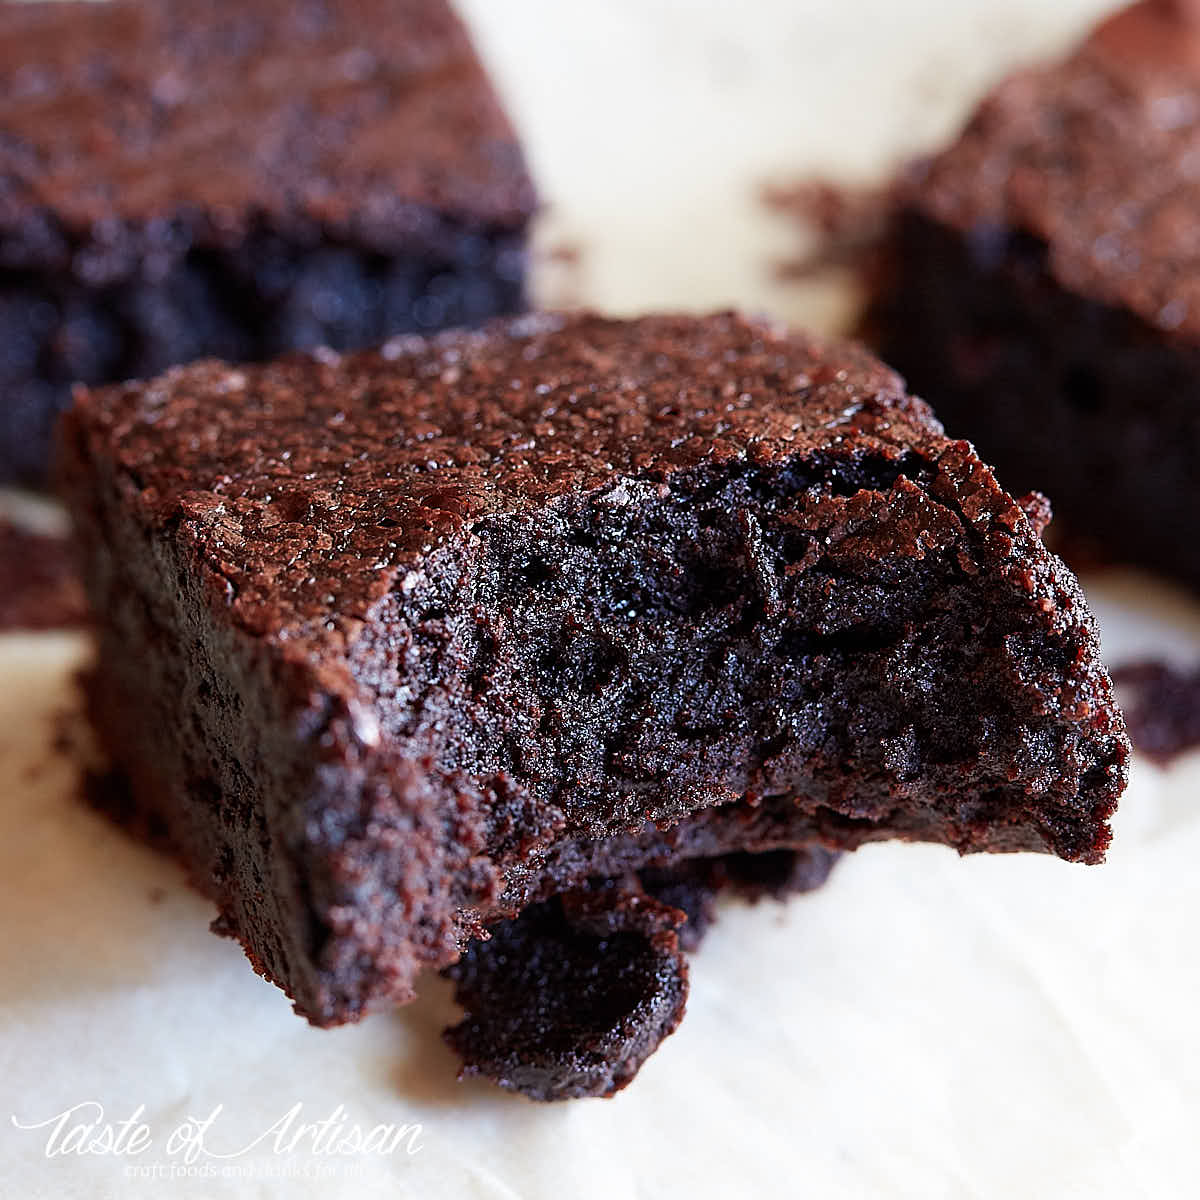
(238, 179)
(39, 589)
(1042, 288)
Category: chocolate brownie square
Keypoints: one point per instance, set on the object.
(39, 587)
(396, 645)
(1043, 285)
(180, 180)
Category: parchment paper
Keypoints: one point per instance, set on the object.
(925, 1026)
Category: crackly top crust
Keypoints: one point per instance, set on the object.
(1099, 158)
(312, 484)
(356, 115)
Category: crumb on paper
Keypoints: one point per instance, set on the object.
(558, 273)
(840, 225)
(39, 588)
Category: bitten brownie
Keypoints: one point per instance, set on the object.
(1043, 289)
(233, 179)
(395, 645)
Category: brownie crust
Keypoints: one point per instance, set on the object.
(39, 585)
(434, 634)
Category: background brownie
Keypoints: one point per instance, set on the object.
(394, 645)
(1044, 288)
(39, 587)
(237, 179)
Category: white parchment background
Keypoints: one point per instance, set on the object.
(925, 1026)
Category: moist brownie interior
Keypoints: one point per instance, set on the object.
(701, 631)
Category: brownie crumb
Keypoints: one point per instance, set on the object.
(39, 588)
(841, 225)
(1162, 708)
(560, 272)
(568, 253)
(571, 997)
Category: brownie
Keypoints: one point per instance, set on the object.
(1162, 708)
(1043, 286)
(39, 587)
(232, 179)
(395, 645)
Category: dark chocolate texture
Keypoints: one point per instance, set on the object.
(1043, 289)
(238, 179)
(569, 999)
(426, 636)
